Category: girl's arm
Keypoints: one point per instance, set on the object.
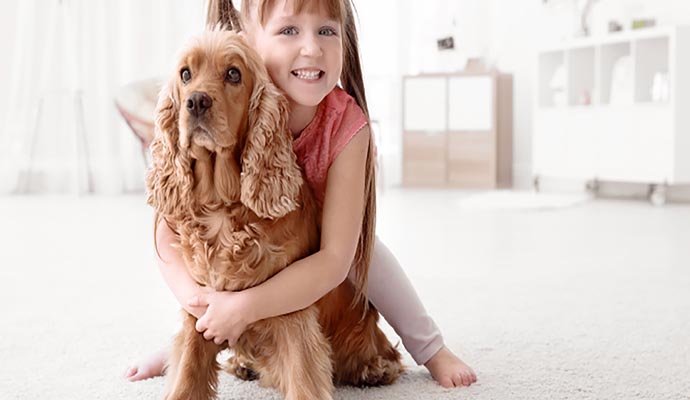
(306, 280)
(174, 271)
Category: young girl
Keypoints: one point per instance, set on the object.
(307, 46)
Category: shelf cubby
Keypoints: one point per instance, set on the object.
(610, 58)
(550, 63)
(581, 76)
(651, 58)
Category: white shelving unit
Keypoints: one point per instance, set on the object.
(615, 108)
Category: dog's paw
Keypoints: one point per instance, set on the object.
(241, 369)
(379, 371)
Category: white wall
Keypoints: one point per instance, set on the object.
(380, 52)
(397, 37)
(505, 32)
(7, 32)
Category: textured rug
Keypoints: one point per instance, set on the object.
(527, 200)
(587, 302)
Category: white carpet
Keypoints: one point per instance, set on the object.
(511, 200)
(588, 302)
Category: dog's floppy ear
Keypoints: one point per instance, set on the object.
(270, 181)
(169, 179)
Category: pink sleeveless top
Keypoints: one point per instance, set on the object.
(337, 120)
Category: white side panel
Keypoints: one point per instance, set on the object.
(680, 82)
(581, 129)
(550, 146)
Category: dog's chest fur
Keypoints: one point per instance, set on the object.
(230, 248)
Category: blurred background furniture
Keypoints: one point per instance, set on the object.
(623, 115)
(90, 49)
(47, 142)
(457, 130)
(136, 103)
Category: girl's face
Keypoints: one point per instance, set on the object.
(302, 52)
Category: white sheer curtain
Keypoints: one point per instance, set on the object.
(69, 58)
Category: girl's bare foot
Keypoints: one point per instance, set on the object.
(151, 367)
(450, 371)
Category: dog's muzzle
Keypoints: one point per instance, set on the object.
(198, 103)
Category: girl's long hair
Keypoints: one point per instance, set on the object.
(352, 81)
(223, 12)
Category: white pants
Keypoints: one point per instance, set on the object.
(391, 292)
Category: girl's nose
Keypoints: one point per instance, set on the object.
(311, 47)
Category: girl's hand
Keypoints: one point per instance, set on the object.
(198, 311)
(227, 316)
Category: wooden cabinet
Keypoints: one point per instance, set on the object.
(457, 130)
(425, 154)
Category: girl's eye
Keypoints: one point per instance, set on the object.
(327, 32)
(186, 75)
(233, 76)
(289, 31)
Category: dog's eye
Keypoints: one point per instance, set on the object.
(233, 76)
(186, 75)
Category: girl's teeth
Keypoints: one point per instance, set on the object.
(308, 74)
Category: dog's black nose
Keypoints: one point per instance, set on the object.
(198, 103)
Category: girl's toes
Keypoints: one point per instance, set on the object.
(131, 371)
(457, 380)
(446, 382)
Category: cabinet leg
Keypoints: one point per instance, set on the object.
(536, 184)
(657, 194)
(592, 186)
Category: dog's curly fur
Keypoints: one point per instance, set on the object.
(225, 178)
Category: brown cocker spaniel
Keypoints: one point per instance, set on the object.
(225, 178)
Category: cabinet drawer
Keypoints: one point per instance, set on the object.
(424, 159)
(424, 173)
(424, 146)
(476, 146)
(472, 174)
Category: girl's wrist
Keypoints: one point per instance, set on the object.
(251, 314)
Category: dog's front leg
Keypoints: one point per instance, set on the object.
(292, 355)
(193, 370)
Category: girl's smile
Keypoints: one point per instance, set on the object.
(303, 51)
(308, 74)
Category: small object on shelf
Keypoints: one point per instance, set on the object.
(584, 7)
(585, 98)
(622, 81)
(557, 86)
(643, 23)
(475, 65)
(660, 87)
(615, 26)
